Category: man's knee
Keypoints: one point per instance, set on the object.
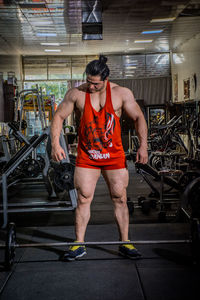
(118, 193)
(84, 196)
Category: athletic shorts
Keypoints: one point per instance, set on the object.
(113, 165)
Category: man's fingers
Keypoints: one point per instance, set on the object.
(58, 155)
(137, 157)
(63, 154)
(141, 159)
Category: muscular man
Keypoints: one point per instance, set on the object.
(100, 150)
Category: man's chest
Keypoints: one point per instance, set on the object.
(99, 103)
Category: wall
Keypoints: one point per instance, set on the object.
(185, 63)
(1, 102)
(153, 91)
(11, 63)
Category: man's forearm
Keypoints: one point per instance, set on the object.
(56, 127)
(141, 129)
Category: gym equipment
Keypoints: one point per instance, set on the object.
(35, 102)
(148, 170)
(145, 204)
(165, 160)
(168, 198)
(186, 178)
(190, 205)
(191, 198)
(130, 205)
(166, 138)
(30, 167)
(64, 176)
(13, 165)
(11, 244)
(41, 161)
(55, 177)
(164, 203)
(195, 236)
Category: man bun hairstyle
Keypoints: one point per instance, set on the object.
(103, 59)
(98, 67)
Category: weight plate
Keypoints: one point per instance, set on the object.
(140, 199)
(41, 161)
(130, 205)
(64, 176)
(146, 206)
(10, 246)
(157, 163)
(48, 180)
(30, 168)
(72, 159)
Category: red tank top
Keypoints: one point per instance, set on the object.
(100, 141)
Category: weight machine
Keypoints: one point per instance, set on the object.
(25, 162)
(11, 167)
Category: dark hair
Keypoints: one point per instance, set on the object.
(98, 67)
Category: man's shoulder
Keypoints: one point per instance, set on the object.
(119, 89)
(82, 88)
(76, 92)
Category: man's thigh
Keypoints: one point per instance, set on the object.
(117, 180)
(85, 180)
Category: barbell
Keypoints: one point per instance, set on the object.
(11, 244)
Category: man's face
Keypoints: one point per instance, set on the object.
(95, 84)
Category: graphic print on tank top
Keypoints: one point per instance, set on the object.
(99, 138)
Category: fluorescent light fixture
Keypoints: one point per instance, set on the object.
(131, 60)
(162, 20)
(135, 49)
(131, 67)
(41, 23)
(143, 41)
(52, 50)
(41, 34)
(50, 44)
(57, 44)
(152, 31)
(129, 63)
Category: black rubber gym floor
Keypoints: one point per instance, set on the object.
(165, 271)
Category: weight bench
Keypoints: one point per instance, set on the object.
(147, 169)
(12, 164)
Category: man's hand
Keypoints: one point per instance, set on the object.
(142, 155)
(58, 153)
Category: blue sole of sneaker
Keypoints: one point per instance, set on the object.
(68, 258)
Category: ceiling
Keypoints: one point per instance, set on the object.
(22, 24)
